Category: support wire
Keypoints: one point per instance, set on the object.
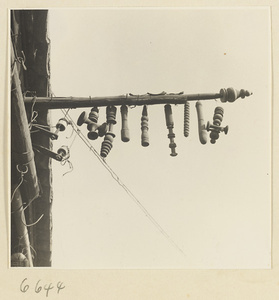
(118, 180)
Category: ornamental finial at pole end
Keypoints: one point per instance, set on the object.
(231, 94)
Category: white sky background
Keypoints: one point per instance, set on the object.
(212, 200)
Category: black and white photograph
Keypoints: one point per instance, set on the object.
(141, 138)
(139, 147)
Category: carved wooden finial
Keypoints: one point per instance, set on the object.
(231, 94)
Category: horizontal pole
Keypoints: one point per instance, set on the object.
(146, 99)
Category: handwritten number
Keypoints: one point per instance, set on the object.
(38, 289)
(60, 286)
(48, 288)
(25, 288)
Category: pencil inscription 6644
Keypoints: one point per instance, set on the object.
(38, 287)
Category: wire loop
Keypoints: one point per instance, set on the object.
(22, 171)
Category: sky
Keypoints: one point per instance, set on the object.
(213, 201)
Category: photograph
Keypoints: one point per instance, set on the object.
(141, 138)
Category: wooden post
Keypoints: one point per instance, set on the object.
(19, 220)
(22, 152)
(22, 159)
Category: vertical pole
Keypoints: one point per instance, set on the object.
(19, 220)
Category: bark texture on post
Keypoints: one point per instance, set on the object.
(29, 35)
(21, 144)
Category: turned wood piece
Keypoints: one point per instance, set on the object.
(83, 119)
(216, 128)
(64, 152)
(144, 127)
(108, 139)
(102, 129)
(125, 135)
(111, 114)
(186, 118)
(60, 126)
(170, 125)
(94, 115)
(92, 128)
(107, 144)
(231, 94)
(91, 122)
(201, 123)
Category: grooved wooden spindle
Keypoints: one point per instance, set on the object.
(108, 140)
(144, 127)
(170, 125)
(125, 135)
(186, 118)
(201, 123)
